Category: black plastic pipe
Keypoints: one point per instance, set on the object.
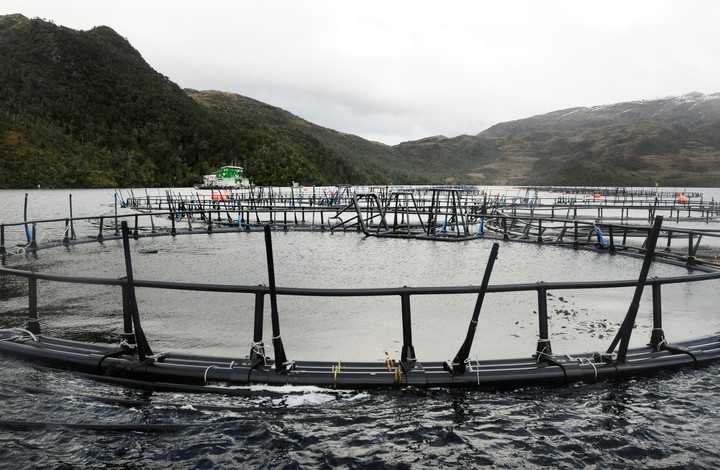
(458, 363)
(280, 357)
(623, 335)
(143, 347)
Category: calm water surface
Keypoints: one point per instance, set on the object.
(55, 419)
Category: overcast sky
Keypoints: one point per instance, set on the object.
(402, 70)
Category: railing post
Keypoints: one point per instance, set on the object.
(117, 227)
(281, 362)
(72, 227)
(66, 237)
(33, 241)
(407, 356)
(128, 336)
(100, 230)
(540, 231)
(576, 242)
(658, 336)
(143, 348)
(257, 351)
(543, 345)
(2, 243)
(27, 230)
(33, 324)
(691, 250)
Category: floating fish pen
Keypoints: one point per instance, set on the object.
(132, 360)
(617, 192)
(418, 211)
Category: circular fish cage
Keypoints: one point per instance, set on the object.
(267, 323)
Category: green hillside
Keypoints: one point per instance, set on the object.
(84, 109)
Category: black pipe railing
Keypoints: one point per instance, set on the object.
(543, 347)
(532, 228)
(537, 227)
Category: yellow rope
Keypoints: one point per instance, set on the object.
(336, 370)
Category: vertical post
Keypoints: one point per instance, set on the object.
(33, 241)
(407, 355)
(669, 240)
(143, 347)
(540, 231)
(72, 226)
(100, 237)
(576, 242)
(691, 250)
(33, 324)
(658, 336)
(257, 352)
(27, 229)
(128, 335)
(281, 362)
(543, 345)
(116, 215)
(66, 238)
(2, 242)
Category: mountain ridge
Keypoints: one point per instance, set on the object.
(84, 109)
(669, 109)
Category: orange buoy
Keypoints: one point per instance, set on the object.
(682, 199)
(598, 195)
(218, 196)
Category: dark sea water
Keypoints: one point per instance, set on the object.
(58, 419)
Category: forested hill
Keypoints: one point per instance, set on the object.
(84, 109)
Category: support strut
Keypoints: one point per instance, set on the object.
(459, 363)
(143, 347)
(623, 335)
(281, 362)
